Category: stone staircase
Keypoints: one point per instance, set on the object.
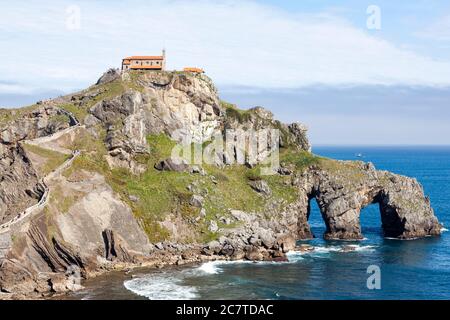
(5, 244)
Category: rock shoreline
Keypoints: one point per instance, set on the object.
(170, 254)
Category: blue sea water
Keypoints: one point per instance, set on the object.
(418, 269)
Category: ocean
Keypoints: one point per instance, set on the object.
(418, 269)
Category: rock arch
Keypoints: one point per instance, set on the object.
(405, 211)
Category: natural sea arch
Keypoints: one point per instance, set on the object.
(346, 218)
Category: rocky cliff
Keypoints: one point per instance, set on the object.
(90, 183)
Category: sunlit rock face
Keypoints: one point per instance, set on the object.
(343, 188)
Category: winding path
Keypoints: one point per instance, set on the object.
(5, 227)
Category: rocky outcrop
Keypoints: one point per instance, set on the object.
(19, 187)
(260, 186)
(115, 248)
(98, 232)
(343, 189)
(298, 136)
(258, 118)
(183, 107)
(38, 122)
(169, 103)
(108, 76)
(19, 183)
(257, 237)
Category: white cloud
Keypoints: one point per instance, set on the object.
(14, 89)
(439, 30)
(238, 43)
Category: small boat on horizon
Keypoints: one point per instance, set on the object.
(359, 155)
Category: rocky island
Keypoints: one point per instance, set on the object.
(88, 185)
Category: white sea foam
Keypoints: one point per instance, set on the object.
(169, 285)
(359, 248)
(212, 267)
(161, 287)
(401, 240)
(295, 256)
(215, 267)
(326, 249)
(444, 229)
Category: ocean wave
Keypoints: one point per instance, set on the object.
(161, 287)
(169, 285)
(295, 256)
(444, 229)
(211, 267)
(363, 248)
(215, 267)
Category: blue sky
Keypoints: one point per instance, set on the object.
(312, 61)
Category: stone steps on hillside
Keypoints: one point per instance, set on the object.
(5, 244)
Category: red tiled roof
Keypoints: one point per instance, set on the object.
(144, 58)
(191, 69)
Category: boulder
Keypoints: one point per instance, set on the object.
(213, 227)
(196, 201)
(253, 253)
(198, 170)
(178, 165)
(261, 186)
(286, 242)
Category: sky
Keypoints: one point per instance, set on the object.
(355, 72)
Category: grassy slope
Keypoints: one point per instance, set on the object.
(161, 193)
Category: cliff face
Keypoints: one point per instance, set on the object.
(19, 186)
(96, 169)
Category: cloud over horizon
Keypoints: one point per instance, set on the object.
(241, 43)
(363, 115)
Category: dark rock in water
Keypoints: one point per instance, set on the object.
(286, 242)
(278, 256)
(108, 76)
(342, 189)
